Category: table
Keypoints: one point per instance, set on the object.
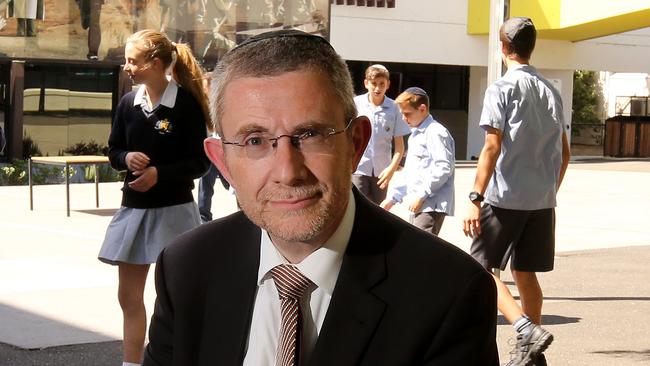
(66, 161)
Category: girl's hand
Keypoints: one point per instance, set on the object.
(136, 161)
(146, 179)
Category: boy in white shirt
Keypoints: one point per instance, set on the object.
(377, 166)
(426, 184)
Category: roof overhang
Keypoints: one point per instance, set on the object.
(569, 20)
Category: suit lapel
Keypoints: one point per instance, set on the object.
(230, 299)
(354, 311)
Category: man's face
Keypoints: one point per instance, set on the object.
(377, 87)
(296, 196)
(413, 116)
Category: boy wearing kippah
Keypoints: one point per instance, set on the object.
(426, 184)
(377, 166)
(511, 209)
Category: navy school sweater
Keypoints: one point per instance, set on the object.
(172, 138)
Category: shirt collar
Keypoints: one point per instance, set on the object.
(385, 104)
(168, 98)
(323, 265)
(525, 67)
(423, 126)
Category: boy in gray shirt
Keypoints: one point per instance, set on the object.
(518, 175)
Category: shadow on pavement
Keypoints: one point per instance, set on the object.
(99, 211)
(546, 320)
(605, 159)
(629, 354)
(599, 298)
(89, 354)
(28, 330)
(559, 319)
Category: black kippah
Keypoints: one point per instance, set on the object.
(416, 91)
(281, 33)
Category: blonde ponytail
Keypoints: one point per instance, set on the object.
(189, 75)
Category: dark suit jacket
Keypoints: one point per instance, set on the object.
(403, 297)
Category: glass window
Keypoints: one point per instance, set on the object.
(450, 84)
(66, 105)
(97, 29)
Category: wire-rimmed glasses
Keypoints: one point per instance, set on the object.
(311, 139)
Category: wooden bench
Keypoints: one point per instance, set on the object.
(66, 161)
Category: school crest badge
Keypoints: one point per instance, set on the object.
(164, 127)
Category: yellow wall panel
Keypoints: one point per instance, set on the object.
(571, 20)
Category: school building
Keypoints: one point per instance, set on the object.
(442, 46)
(60, 83)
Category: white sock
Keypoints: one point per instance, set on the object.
(523, 325)
(130, 364)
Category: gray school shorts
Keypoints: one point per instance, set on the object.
(526, 237)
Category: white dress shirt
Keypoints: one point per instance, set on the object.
(168, 99)
(322, 268)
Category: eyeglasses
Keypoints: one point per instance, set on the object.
(309, 140)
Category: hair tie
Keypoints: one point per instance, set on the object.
(174, 46)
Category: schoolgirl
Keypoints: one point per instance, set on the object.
(157, 137)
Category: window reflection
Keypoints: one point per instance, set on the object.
(97, 29)
(64, 106)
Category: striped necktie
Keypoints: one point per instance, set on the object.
(291, 285)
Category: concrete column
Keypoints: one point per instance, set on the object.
(498, 10)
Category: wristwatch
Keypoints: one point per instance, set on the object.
(475, 197)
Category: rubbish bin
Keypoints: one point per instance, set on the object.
(627, 136)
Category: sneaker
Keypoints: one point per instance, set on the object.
(530, 346)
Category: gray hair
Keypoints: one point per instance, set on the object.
(273, 56)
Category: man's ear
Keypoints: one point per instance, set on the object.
(361, 131)
(214, 150)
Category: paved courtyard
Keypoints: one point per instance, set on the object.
(58, 303)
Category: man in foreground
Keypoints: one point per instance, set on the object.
(310, 272)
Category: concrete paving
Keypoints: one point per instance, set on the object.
(58, 302)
